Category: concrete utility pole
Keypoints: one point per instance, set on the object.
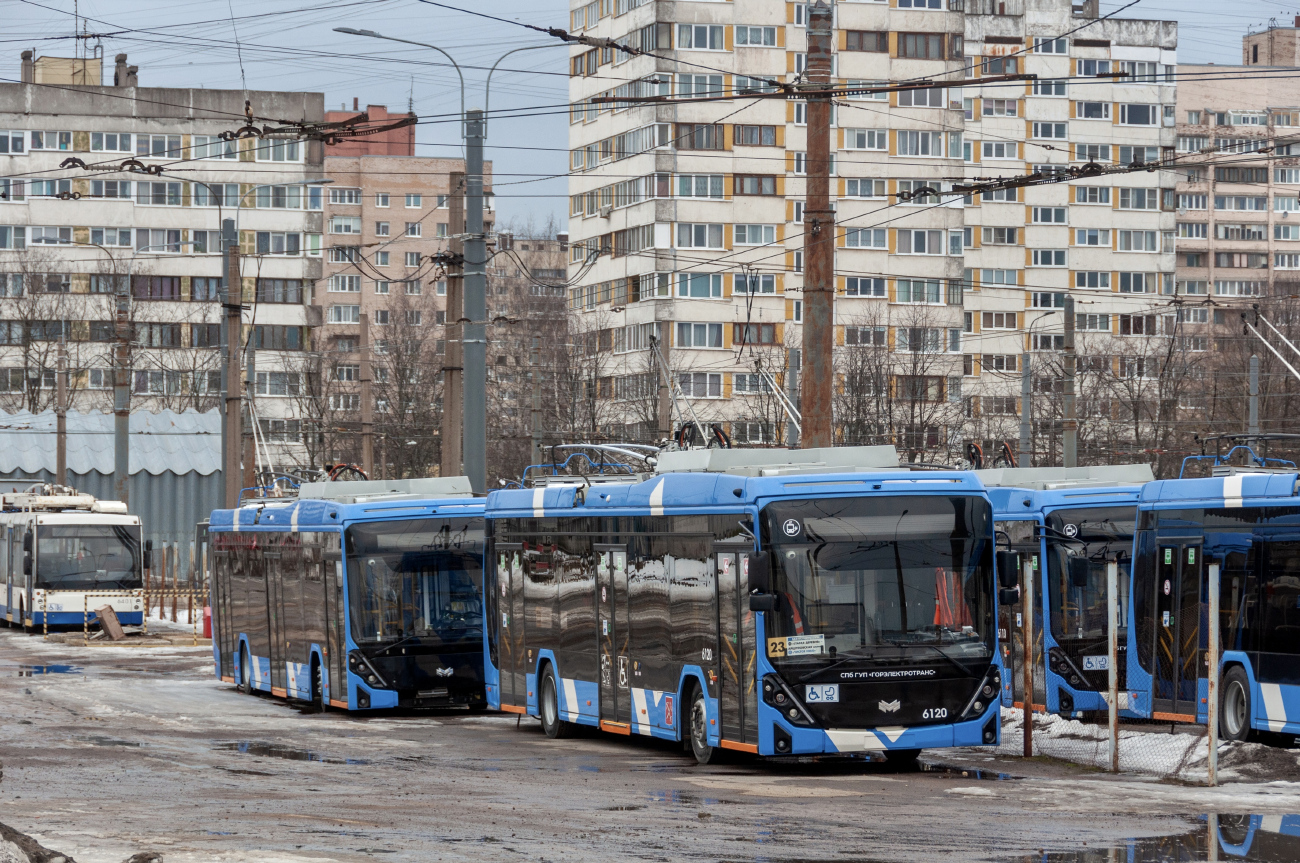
(792, 357)
(819, 240)
(61, 416)
(367, 403)
(1026, 448)
(452, 356)
(232, 295)
(1253, 427)
(122, 391)
(475, 328)
(664, 410)
(1070, 423)
(535, 378)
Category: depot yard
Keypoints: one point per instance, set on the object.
(110, 752)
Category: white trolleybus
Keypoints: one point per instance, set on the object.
(64, 554)
(774, 602)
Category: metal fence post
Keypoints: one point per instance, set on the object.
(1212, 695)
(1027, 635)
(1112, 637)
(85, 620)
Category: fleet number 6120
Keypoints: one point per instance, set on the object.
(935, 713)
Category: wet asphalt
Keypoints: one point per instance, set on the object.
(109, 752)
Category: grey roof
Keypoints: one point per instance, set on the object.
(163, 442)
(1048, 478)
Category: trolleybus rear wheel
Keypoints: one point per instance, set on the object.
(245, 673)
(699, 729)
(549, 707)
(1234, 709)
(318, 686)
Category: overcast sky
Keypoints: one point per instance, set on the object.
(290, 45)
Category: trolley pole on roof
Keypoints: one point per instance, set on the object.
(818, 375)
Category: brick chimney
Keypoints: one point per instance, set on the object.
(29, 68)
(119, 71)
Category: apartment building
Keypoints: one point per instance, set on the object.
(1238, 218)
(1103, 95)
(147, 207)
(699, 205)
(387, 213)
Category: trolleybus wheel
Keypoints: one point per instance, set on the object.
(318, 686)
(552, 724)
(699, 728)
(902, 759)
(245, 673)
(1234, 708)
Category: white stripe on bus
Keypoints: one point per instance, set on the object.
(1274, 708)
(1232, 490)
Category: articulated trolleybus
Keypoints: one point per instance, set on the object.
(64, 554)
(1246, 521)
(775, 602)
(357, 595)
(1078, 520)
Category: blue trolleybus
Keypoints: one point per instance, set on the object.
(774, 602)
(64, 554)
(1246, 520)
(1076, 520)
(357, 595)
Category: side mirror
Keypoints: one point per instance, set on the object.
(27, 563)
(760, 572)
(1009, 596)
(27, 541)
(1079, 571)
(764, 602)
(148, 554)
(1008, 568)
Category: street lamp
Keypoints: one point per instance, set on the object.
(474, 313)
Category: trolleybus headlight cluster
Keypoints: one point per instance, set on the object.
(1063, 667)
(358, 665)
(779, 696)
(988, 690)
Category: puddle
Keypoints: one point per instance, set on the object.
(1246, 838)
(685, 798)
(101, 740)
(963, 772)
(621, 808)
(33, 670)
(289, 753)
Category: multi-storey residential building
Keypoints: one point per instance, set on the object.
(1238, 217)
(1273, 46)
(1103, 95)
(387, 213)
(148, 207)
(696, 210)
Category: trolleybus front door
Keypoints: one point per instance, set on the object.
(613, 633)
(334, 619)
(1178, 647)
(737, 695)
(275, 616)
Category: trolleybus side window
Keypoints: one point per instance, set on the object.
(1280, 599)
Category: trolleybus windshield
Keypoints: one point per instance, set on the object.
(1096, 535)
(896, 579)
(88, 556)
(416, 581)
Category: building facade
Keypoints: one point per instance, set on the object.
(146, 213)
(687, 218)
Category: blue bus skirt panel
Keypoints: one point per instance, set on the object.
(78, 618)
(1274, 706)
(380, 699)
(259, 667)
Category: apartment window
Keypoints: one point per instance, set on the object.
(754, 136)
(1092, 237)
(1192, 287)
(13, 237)
(876, 41)
(382, 287)
(1286, 232)
(120, 237)
(1049, 87)
(1137, 283)
(699, 285)
(801, 163)
(440, 230)
(868, 91)
(698, 236)
(753, 334)
(699, 136)
(753, 184)
(413, 229)
(156, 287)
(701, 385)
(414, 288)
(381, 199)
(1191, 202)
(278, 151)
(1048, 257)
(345, 196)
(1050, 130)
(920, 143)
(1001, 108)
(866, 337)
(278, 243)
(1195, 230)
(414, 201)
(754, 284)
(703, 37)
(344, 284)
(865, 139)
(1092, 195)
(1047, 300)
(918, 291)
(207, 194)
(999, 277)
(161, 146)
(999, 236)
(1138, 241)
(1139, 155)
(921, 46)
(1000, 195)
(877, 238)
(414, 318)
(754, 235)
(919, 340)
(691, 335)
(1001, 66)
(1229, 288)
(381, 259)
(412, 259)
(1092, 279)
(1139, 115)
(114, 189)
(1244, 202)
(273, 290)
(345, 224)
(756, 36)
(1246, 260)
(861, 286)
(381, 317)
(860, 188)
(1049, 215)
(930, 97)
(998, 320)
(158, 335)
(279, 383)
(699, 185)
(158, 194)
(1000, 150)
(1139, 199)
(920, 242)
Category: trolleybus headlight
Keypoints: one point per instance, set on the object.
(979, 705)
(778, 695)
(779, 698)
(793, 713)
(987, 691)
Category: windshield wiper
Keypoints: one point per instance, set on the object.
(963, 669)
(396, 644)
